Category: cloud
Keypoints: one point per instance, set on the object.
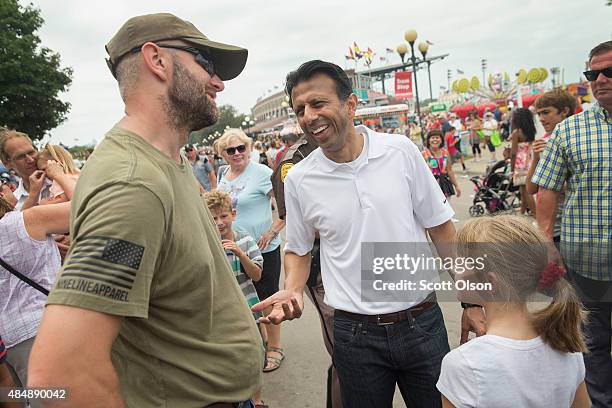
(280, 35)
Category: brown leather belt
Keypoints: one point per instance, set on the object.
(391, 318)
(227, 405)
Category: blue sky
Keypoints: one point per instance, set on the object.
(510, 34)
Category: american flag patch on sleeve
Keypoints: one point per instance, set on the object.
(107, 260)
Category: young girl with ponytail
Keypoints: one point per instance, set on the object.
(526, 358)
(62, 157)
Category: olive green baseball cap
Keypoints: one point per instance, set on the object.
(229, 60)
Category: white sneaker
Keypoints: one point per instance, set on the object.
(454, 220)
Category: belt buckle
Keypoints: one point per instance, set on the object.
(378, 323)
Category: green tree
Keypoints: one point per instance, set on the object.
(30, 75)
(228, 116)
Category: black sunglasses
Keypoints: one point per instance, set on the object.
(232, 150)
(593, 74)
(202, 59)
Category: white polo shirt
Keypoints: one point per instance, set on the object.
(388, 194)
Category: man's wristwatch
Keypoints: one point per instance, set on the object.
(468, 305)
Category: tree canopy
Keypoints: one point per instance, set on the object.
(30, 75)
(228, 116)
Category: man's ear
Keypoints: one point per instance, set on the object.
(351, 104)
(156, 61)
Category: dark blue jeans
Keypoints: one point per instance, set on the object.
(596, 296)
(372, 359)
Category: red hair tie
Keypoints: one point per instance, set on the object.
(550, 275)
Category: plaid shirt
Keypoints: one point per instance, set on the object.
(580, 152)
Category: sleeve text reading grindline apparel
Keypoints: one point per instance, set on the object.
(145, 248)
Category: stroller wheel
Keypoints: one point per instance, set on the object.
(476, 211)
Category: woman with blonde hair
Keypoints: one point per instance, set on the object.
(526, 358)
(250, 188)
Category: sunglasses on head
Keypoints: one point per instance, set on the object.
(232, 150)
(593, 74)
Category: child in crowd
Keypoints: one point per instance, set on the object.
(526, 358)
(242, 252)
(522, 136)
(552, 108)
(453, 143)
(64, 159)
(52, 170)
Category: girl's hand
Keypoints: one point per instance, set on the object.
(54, 169)
(37, 180)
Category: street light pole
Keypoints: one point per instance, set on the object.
(423, 47)
(411, 36)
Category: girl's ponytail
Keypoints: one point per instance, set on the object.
(559, 324)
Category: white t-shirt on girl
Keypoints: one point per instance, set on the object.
(493, 371)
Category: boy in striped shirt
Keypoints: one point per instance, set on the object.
(241, 249)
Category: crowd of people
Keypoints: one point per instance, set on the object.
(150, 277)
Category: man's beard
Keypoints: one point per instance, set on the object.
(186, 104)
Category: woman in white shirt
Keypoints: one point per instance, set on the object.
(525, 359)
(489, 125)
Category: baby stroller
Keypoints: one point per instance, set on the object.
(494, 192)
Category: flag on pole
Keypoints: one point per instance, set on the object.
(351, 55)
(368, 55)
(358, 53)
(390, 50)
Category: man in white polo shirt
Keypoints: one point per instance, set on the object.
(361, 186)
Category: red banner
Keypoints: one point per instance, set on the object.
(403, 84)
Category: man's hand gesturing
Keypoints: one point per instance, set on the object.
(286, 305)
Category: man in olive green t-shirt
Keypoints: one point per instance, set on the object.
(146, 311)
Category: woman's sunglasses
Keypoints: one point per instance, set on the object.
(593, 74)
(232, 150)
